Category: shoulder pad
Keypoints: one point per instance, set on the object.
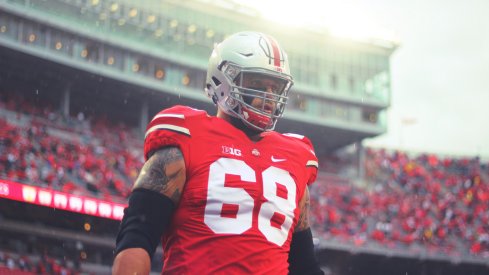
(180, 111)
(171, 127)
(307, 145)
(302, 138)
(174, 118)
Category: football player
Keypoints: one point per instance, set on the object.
(225, 194)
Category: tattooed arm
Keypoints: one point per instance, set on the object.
(304, 205)
(302, 259)
(165, 173)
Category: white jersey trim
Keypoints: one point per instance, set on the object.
(168, 127)
(169, 115)
(293, 135)
(312, 163)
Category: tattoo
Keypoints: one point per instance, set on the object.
(304, 204)
(164, 172)
(176, 195)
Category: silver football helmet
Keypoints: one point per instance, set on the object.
(237, 66)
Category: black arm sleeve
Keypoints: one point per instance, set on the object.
(145, 220)
(302, 259)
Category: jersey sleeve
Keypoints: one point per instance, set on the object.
(312, 163)
(169, 127)
(310, 159)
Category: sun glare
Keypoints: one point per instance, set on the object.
(288, 12)
(341, 19)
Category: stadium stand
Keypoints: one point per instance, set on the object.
(15, 264)
(72, 154)
(420, 203)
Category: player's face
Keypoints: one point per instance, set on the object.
(267, 85)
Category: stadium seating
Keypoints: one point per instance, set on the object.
(14, 264)
(37, 147)
(424, 202)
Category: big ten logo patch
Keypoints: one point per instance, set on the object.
(231, 151)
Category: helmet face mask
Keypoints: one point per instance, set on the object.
(248, 78)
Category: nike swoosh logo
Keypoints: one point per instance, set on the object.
(277, 160)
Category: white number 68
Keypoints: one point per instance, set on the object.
(277, 205)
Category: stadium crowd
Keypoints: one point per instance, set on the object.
(39, 146)
(420, 203)
(15, 264)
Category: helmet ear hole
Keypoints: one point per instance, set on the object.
(214, 98)
(216, 81)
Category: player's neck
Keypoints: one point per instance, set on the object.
(252, 134)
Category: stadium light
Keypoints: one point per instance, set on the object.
(192, 28)
(114, 7)
(87, 227)
(133, 12)
(160, 73)
(58, 45)
(32, 37)
(151, 19)
(186, 80)
(209, 33)
(84, 53)
(110, 60)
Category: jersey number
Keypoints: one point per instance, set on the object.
(276, 213)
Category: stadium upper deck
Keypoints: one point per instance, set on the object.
(341, 91)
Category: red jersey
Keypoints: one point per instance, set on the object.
(240, 202)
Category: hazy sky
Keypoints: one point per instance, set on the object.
(440, 72)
